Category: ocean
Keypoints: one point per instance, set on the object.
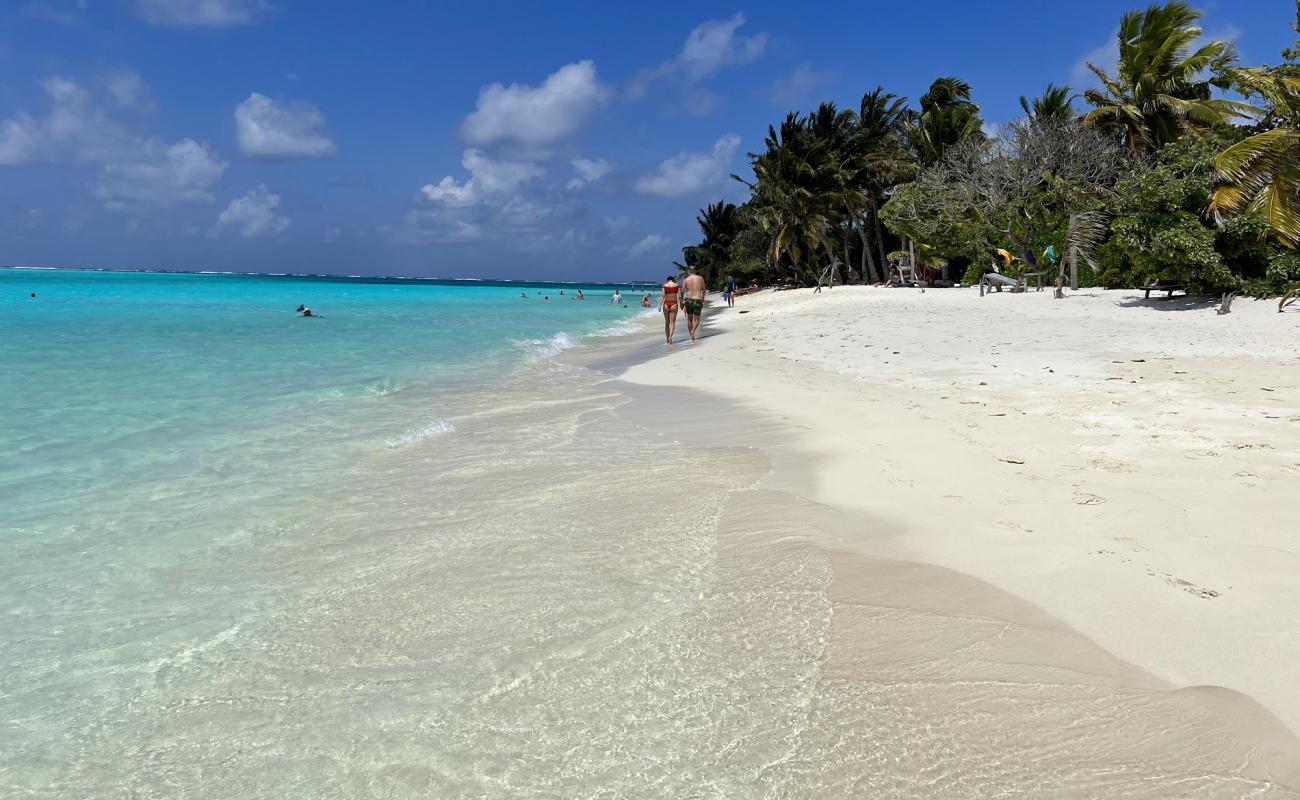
(414, 549)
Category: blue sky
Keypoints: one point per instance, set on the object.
(562, 140)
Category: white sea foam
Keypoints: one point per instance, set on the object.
(628, 325)
(379, 387)
(552, 346)
(435, 428)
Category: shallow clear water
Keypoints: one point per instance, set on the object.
(401, 552)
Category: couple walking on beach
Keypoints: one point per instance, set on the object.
(691, 294)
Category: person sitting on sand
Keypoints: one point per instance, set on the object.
(669, 295)
(694, 302)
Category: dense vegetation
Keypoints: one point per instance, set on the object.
(1185, 166)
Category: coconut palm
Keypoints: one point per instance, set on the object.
(1055, 103)
(1261, 174)
(881, 162)
(1158, 93)
(948, 116)
(798, 187)
(719, 223)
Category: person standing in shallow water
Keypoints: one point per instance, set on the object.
(669, 296)
(693, 303)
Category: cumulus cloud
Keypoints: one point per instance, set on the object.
(253, 215)
(270, 130)
(797, 86)
(64, 12)
(535, 117)
(200, 13)
(715, 44)
(75, 128)
(688, 173)
(127, 90)
(648, 244)
(487, 177)
(708, 47)
(134, 169)
(1105, 56)
(589, 171)
(161, 175)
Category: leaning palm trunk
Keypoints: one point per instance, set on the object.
(870, 272)
(880, 236)
(1085, 232)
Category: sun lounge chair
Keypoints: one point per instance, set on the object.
(995, 281)
(902, 267)
(1169, 287)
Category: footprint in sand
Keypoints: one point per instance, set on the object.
(1014, 527)
(1109, 465)
(1087, 499)
(1191, 588)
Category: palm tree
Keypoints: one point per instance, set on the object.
(797, 186)
(1055, 103)
(1157, 93)
(719, 223)
(1261, 174)
(948, 116)
(881, 162)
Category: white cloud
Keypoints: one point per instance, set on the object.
(487, 177)
(687, 173)
(708, 47)
(535, 116)
(648, 244)
(161, 174)
(200, 13)
(253, 215)
(127, 90)
(715, 44)
(21, 140)
(589, 171)
(270, 130)
(1106, 56)
(796, 87)
(64, 12)
(75, 128)
(135, 170)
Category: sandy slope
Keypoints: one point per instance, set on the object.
(1132, 468)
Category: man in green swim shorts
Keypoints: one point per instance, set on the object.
(693, 301)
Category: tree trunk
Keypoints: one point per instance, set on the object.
(869, 270)
(880, 236)
(847, 233)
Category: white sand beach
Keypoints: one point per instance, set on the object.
(1130, 468)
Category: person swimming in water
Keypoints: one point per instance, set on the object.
(645, 300)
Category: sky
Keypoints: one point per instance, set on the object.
(562, 140)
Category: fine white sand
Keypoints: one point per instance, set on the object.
(1132, 468)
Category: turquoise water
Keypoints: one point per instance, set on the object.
(402, 551)
(123, 385)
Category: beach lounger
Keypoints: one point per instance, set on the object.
(1169, 287)
(994, 280)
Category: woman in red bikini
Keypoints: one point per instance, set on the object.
(668, 301)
